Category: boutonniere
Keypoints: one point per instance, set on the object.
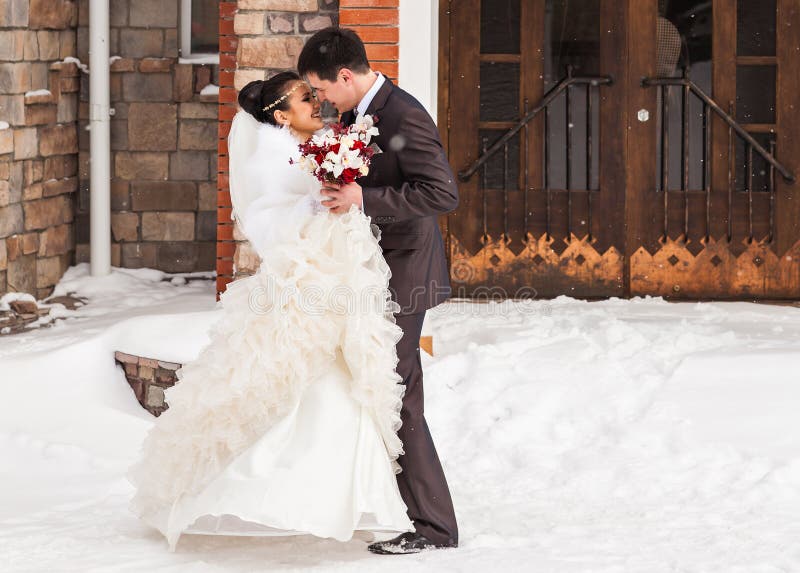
(376, 149)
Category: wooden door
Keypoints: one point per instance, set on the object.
(541, 217)
(618, 185)
(712, 217)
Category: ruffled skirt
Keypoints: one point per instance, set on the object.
(286, 423)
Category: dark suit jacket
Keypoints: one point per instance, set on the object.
(407, 187)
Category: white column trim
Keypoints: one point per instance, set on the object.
(99, 140)
(419, 51)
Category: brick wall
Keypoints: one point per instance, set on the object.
(227, 109)
(163, 143)
(377, 23)
(38, 143)
(258, 38)
(263, 37)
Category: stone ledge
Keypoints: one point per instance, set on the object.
(67, 69)
(39, 96)
(122, 65)
(285, 5)
(148, 378)
(156, 65)
(24, 313)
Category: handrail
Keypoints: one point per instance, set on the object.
(766, 155)
(465, 174)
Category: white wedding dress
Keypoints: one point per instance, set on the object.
(286, 423)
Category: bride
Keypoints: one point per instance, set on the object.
(286, 423)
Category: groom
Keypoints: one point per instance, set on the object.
(408, 185)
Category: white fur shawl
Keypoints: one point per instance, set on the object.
(271, 198)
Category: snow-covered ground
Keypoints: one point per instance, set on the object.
(613, 436)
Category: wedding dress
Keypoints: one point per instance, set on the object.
(286, 423)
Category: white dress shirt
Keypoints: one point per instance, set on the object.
(362, 106)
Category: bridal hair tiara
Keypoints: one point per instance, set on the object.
(283, 97)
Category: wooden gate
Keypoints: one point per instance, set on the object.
(611, 148)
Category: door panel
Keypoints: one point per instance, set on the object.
(631, 187)
(721, 240)
(536, 219)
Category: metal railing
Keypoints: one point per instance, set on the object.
(563, 87)
(555, 91)
(688, 88)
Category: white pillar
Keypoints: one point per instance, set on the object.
(419, 51)
(100, 131)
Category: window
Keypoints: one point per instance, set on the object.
(199, 30)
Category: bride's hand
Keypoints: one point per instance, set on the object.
(341, 197)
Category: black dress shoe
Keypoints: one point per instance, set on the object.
(410, 542)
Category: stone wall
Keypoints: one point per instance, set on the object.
(148, 378)
(163, 143)
(38, 143)
(258, 38)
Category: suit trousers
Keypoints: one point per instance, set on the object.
(421, 482)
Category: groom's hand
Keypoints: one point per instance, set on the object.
(339, 198)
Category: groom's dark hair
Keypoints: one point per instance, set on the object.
(330, 50)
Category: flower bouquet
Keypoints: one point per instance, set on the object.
(340, 154)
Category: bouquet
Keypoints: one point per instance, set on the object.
(339, 154)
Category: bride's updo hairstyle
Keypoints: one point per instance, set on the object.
(259, 94)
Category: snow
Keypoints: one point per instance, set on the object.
(10, 297)
(200, 59)
(611, 436)
(210, 89)
(42, 92)
(73, 60)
